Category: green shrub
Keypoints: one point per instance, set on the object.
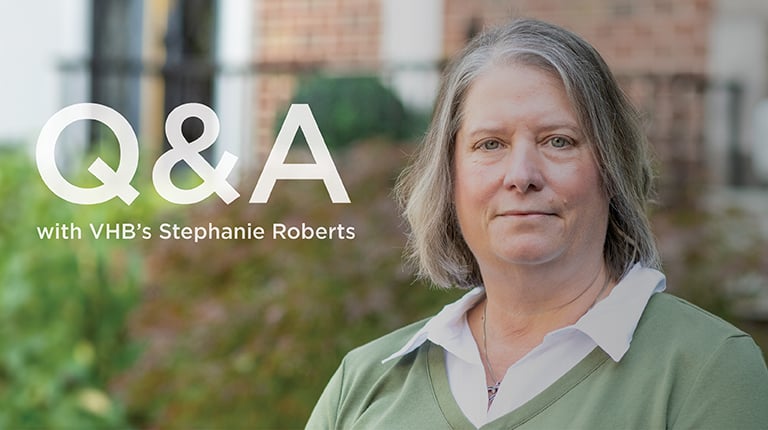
(63, 306)
(709, 256)
(352, 108)
(247, 333)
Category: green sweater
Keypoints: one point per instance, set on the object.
(685, 369)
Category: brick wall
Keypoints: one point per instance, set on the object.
(649, 36)
(298, 36)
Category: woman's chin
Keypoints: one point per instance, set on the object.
(528, 254)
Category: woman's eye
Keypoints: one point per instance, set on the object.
(560, 142)
(490, 145)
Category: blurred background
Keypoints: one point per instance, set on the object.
(152, 334)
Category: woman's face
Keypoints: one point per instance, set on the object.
(527, 187)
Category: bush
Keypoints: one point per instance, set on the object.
(717, 260)
(349, 109)
(63, 306)
(245, 334)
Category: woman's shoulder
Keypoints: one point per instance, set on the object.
(672, 324)
(380, 348)
(710, 373)
(679, 316)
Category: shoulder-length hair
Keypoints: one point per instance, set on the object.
(608, 120)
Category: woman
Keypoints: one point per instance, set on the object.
(531, 188)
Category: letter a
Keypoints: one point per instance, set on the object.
(299, 115)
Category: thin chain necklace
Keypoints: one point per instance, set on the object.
(494, 388)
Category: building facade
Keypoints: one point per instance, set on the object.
(697, 69)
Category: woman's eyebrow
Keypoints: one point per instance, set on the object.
(485, 130)
(573, 127)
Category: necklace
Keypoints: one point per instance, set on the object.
(492, 389)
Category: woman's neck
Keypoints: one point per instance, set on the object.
(530, 304)
(534, 289)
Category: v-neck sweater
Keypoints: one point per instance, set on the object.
(609, 324)
(685, 369)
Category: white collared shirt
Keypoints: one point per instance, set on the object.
(609, 324)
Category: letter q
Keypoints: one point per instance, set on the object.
(115, 183)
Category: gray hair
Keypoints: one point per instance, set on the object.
(608, 120)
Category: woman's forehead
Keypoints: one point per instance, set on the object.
(511, 92)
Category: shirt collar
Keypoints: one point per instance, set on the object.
(610, 323)
(443, 327)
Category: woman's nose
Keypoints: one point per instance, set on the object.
(523, 168)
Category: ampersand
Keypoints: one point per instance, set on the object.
(214, 179)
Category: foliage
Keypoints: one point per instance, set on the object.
(715, 259)
(63, 306)
(245, 334)
(352, 108)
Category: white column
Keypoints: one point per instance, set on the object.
(738, 53)
(36, 36)
(411, 46)
(760, 133)
(73, 19)
(73, 48)
(233, 85)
